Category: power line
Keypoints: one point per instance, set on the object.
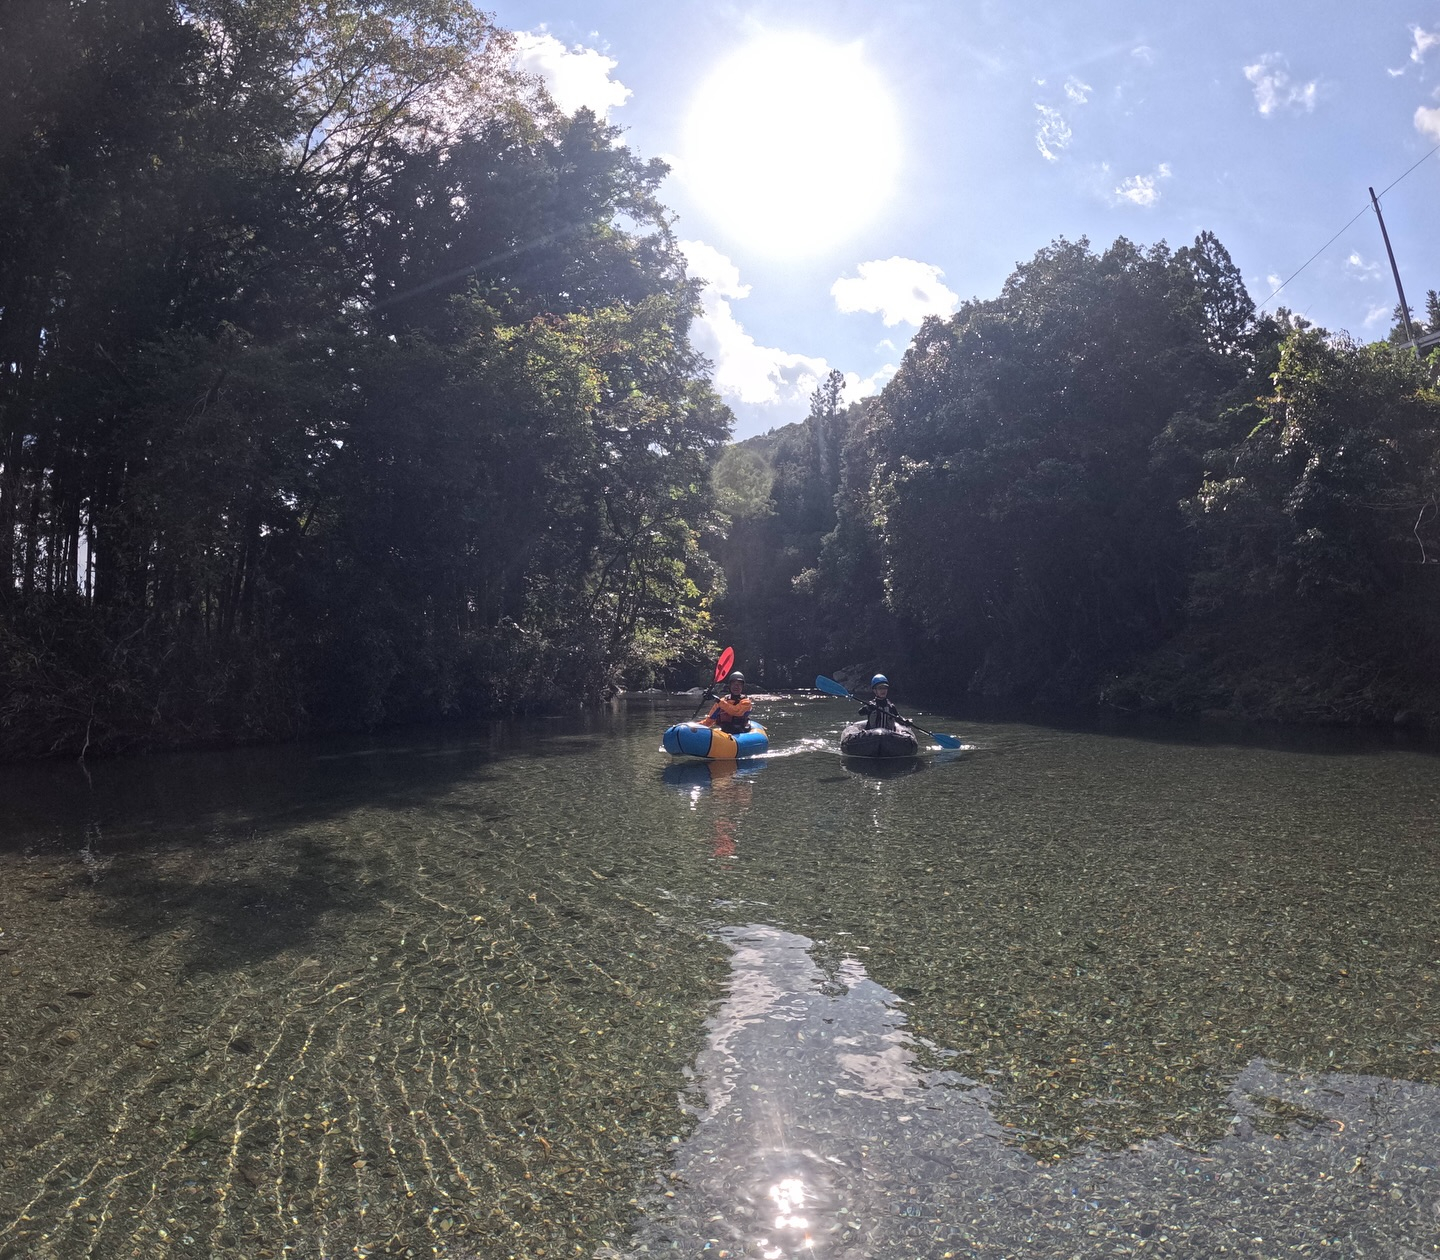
(1363, 210)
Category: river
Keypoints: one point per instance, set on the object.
(529, 990)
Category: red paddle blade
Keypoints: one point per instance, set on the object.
(724, 665)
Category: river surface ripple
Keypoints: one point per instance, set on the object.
(529, 990)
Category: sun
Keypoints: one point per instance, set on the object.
(792, 144)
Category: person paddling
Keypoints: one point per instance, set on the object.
(880, 712)
(732, 710)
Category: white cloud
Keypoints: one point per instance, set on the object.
(1275, 89)
(1143, 53)
(1424, 41)
(1077, 91)
(1052, 134)
(899, 290)
(1357, 266)
(705, 262)
(746, 372)
(1274, 281)
(576, 77)
(1377, 313)
(1142, 190)
(1427, 122)
(857, 388)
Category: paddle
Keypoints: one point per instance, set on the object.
(833, 688)
(722, 667)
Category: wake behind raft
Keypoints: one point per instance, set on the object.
(695, 739)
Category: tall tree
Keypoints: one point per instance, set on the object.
(1028, 526)
(333, 353)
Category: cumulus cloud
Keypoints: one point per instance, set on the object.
(1143, 190)
(1422, 42)
(705, 262)
(899, 290)
(1427, 122)
(1052, 133)
(763, 380)
(1275, 89)
(1357, 266)
(1377, 313)
(576, 77)
(747, 372)
(857, 387)
(1077, 91)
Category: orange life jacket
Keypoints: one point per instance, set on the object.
(728, 710)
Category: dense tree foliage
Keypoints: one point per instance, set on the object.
(799, 550)
(345, 380)
(331, 390)
(1112, 481)
(1018, 446)
(1315, 592)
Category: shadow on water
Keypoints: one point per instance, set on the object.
(194, 797)
(243, 854)
(235, 920)
(883, 767)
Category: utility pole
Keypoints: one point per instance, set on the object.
(1394, 271)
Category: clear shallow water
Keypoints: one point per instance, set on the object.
(531, 991)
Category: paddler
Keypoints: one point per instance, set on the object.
(732, 710)
(880, 712)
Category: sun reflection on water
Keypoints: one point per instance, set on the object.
(824, 1131)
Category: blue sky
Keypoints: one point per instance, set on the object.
(1000, 127)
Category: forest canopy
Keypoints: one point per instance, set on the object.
(1113, 483)
(332, 392)
(345, 380)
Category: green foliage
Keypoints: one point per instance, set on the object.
(790, 558)
(1330, 482)
(742, 481)
(334, 393)
(1315, 593)
(1112, 482)
(1029, 488)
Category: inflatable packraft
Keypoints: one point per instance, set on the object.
(695, 739)
(856, 741)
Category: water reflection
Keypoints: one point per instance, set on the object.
(829, 1130)
(690, 776)
(883, 767)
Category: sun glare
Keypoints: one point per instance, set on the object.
(793, 144)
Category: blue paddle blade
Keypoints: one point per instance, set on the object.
(830, 686)
(946, 741)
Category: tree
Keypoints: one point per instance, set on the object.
(352, 382)
(1315, 594)
(1028, 524)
